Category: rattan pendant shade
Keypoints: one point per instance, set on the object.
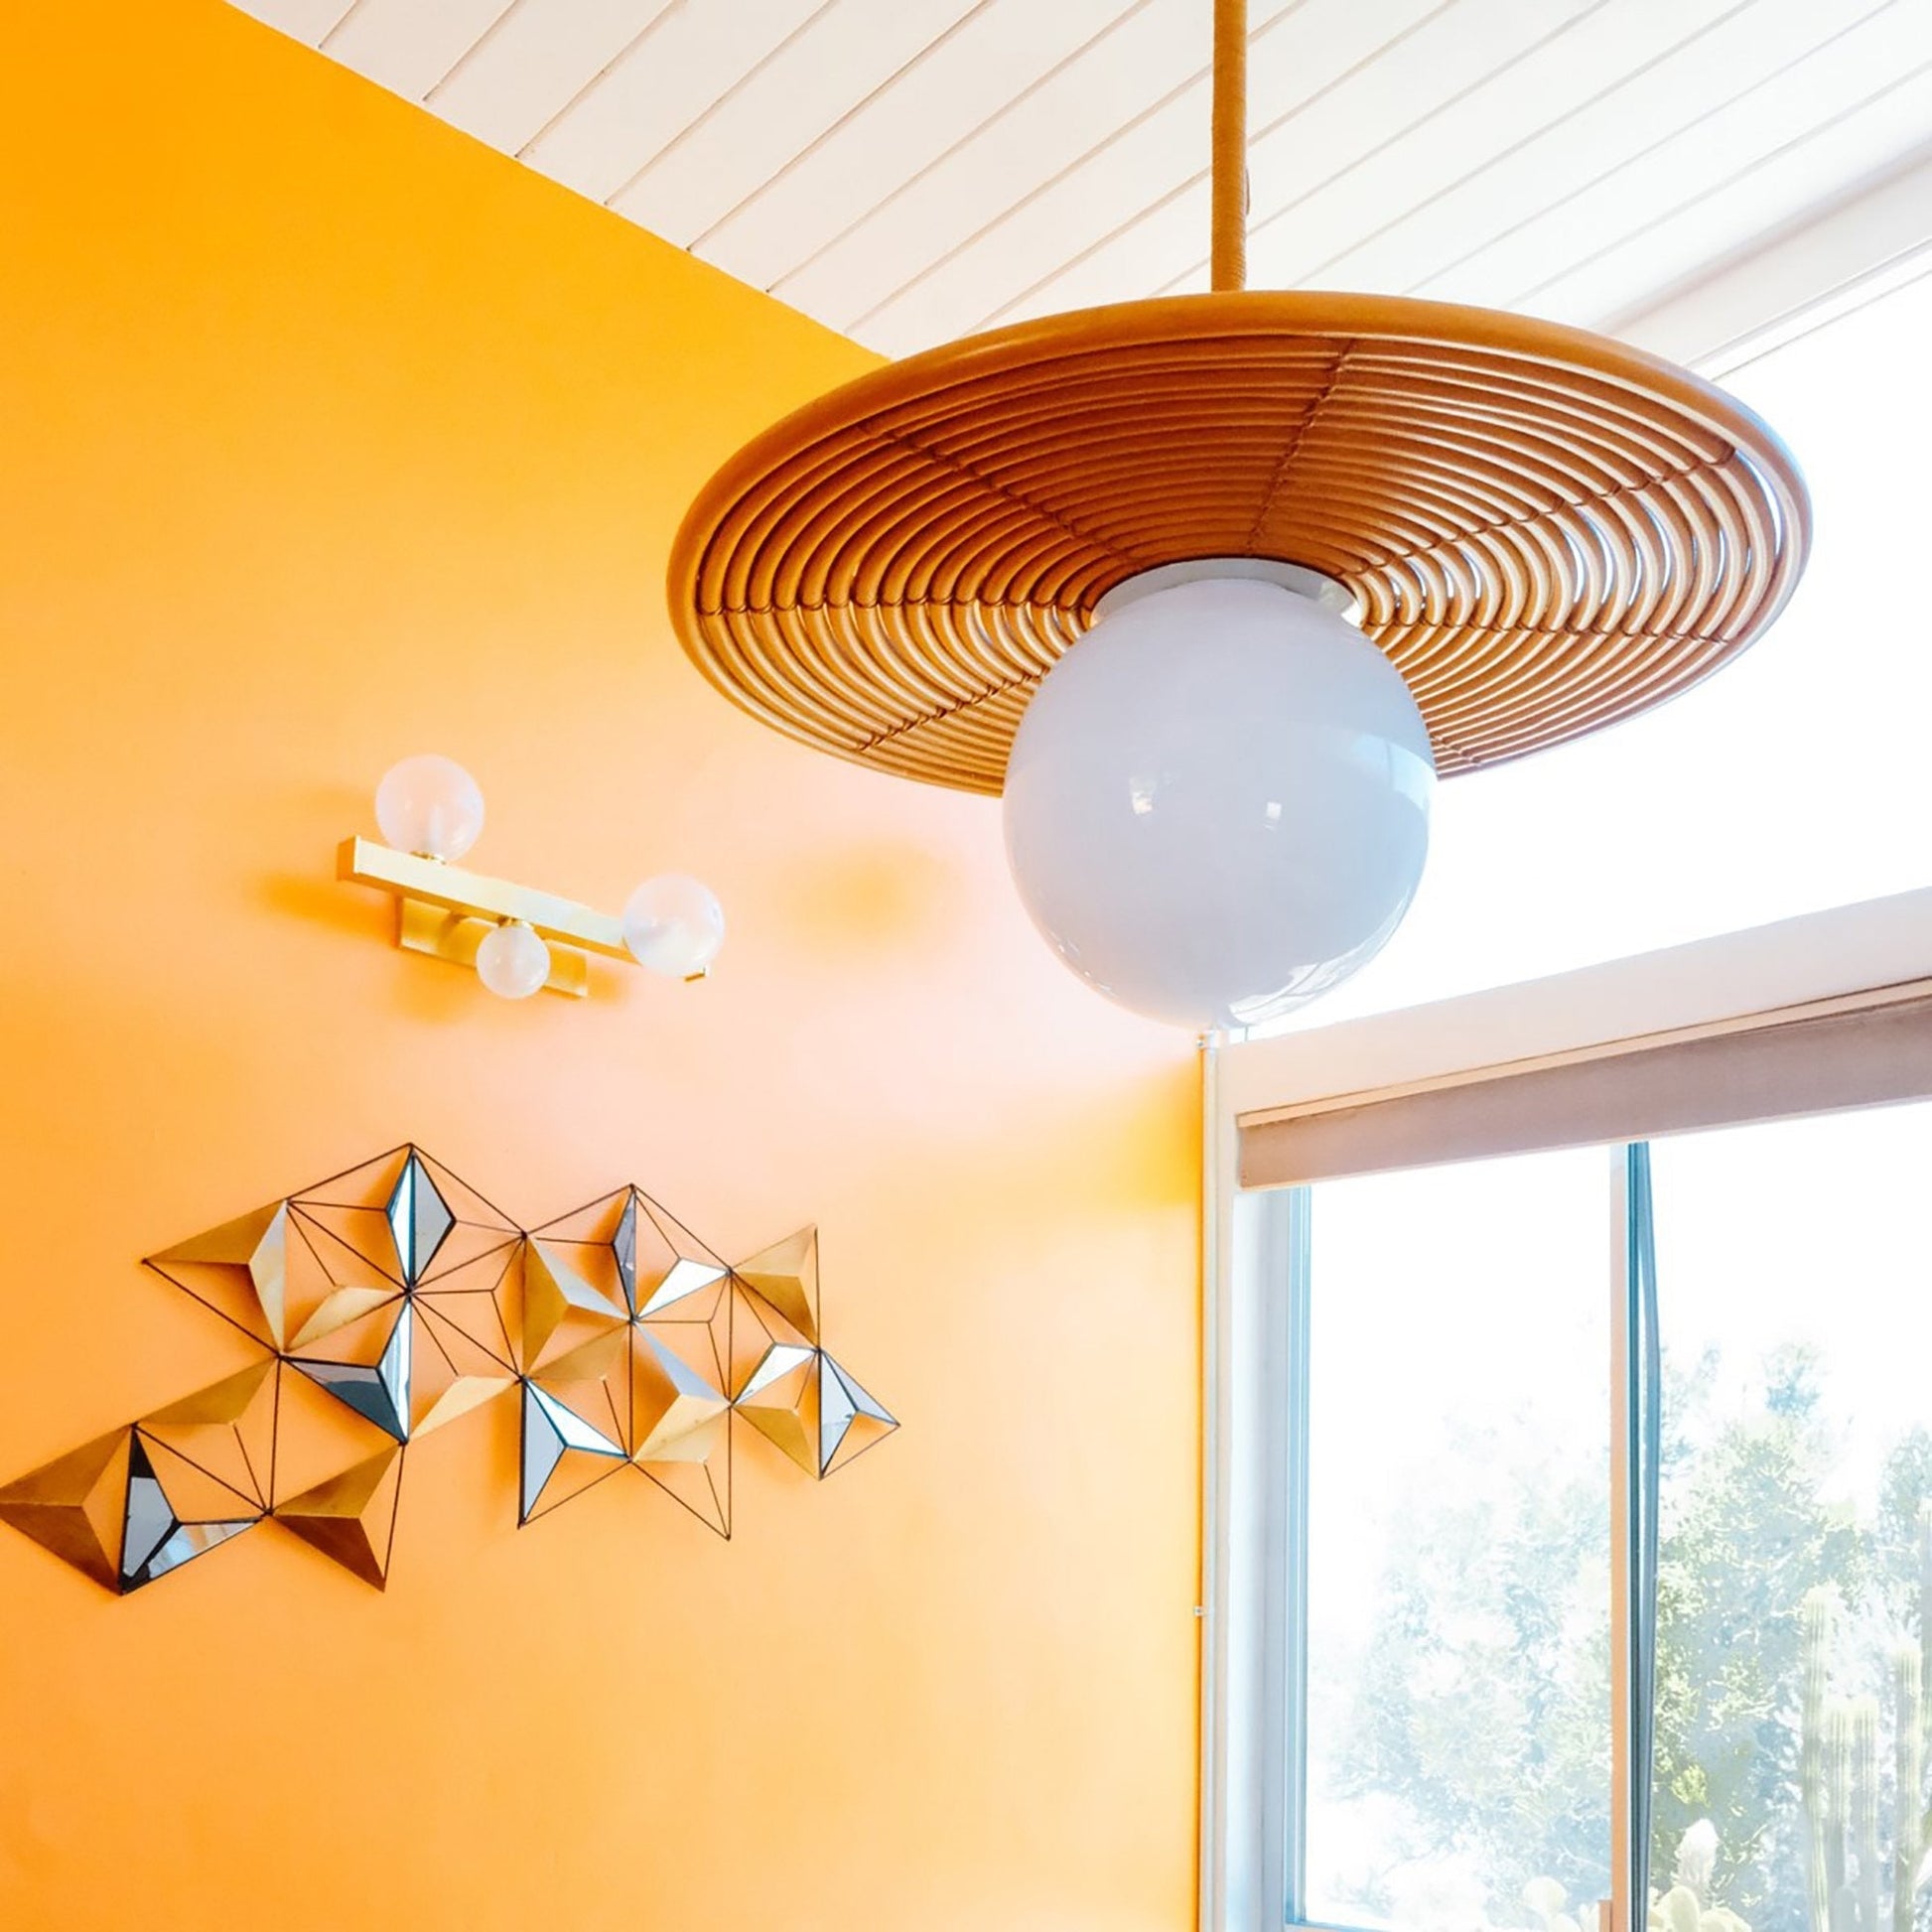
(1546, 531)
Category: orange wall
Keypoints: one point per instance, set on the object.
(327, 436)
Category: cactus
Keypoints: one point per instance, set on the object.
(1908, 1776)
(1838, 1774)
(1836, 1809)
(1547, 1900)
(1925, 1619)
(1862, 1729)
(1819, 1606)
(1697, 1860)
(1686, 1907)
(1910, 1880)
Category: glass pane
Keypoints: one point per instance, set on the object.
(1458, 1732)
(1794, 1570)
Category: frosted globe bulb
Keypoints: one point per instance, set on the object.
(512, 961)
(673, 925)
(431, 807)
(1217, 802)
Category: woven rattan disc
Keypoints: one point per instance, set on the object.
(1546, 531)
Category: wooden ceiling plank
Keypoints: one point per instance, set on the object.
(540, 56)
(303, 19)
(1472, 72)
(1115, 77)
(841, 57)
(408, 46)
(1672, 170)
(999, 51)
(1137, 258)
(912, 169)
(1295, 56)
(1567, 152)
(1733, 212)
(663, 87)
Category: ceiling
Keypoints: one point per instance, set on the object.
(909, 171)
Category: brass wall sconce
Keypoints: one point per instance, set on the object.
(519, 941)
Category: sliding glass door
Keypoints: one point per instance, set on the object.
(1542, 1541)
(1458, 1498)
(1794, 1597)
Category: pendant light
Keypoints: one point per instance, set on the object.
(1213, 588)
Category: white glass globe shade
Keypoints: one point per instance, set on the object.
(1218, 803)
(431, 807)
(673, 925)
(512, 961)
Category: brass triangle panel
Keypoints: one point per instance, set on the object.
(73, 1507)
(352, 1518)
(785, 1275)
(393, 1299)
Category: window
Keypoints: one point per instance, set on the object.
(1457, 1573)
(1453, 1739)
(1794, 1601)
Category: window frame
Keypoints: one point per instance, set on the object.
(1872, 956)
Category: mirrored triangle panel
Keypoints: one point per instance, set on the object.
(392, 1298)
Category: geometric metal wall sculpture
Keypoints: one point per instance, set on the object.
(389, 1301)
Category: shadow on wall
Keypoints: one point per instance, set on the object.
(886, 893)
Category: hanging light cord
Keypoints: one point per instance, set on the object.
(1230, 240)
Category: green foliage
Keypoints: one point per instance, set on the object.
(1897, 1537)
(1477, 1706)
(1481, 1708)
(1745, 1537)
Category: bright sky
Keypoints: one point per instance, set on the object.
(1447, 1304)
(1478, 1297)
(1809, 1231)
(1474, 1295)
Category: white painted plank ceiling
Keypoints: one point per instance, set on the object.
(909, 171)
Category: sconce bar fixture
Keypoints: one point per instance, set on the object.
(519, 941)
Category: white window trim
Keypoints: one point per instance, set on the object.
(1252, 1654)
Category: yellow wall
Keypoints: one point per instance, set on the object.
(327, 436)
